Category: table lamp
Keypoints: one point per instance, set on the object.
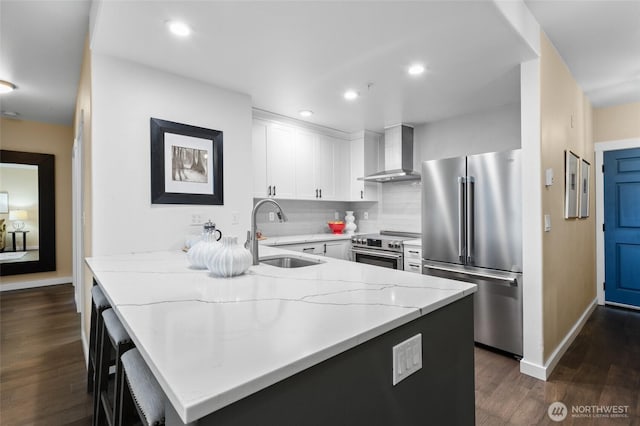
(18, 217)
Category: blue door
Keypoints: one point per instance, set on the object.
(622, 226)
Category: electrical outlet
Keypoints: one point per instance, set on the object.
(272, 216)
(365, 215)
(336, 215)
(407, 358)
(235, 218)
(196, 219)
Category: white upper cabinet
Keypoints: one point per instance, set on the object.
(364, 161)
(273, 159)
(298, 163)
(259, 156)
(305, 160)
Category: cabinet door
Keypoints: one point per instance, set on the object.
(338, 249)
(305, 151)
(364, 161)
(280, 161)
(259, 155)
(324, 167)
(357, 169)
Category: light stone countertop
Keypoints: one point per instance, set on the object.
(213, 341)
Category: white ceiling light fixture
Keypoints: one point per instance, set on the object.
(350, 95)
(179, 28)
(416, 69)
(6, 86)
(306, 113)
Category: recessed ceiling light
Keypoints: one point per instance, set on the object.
(416, 69)
(306, 113)
(350, 95)
(6, 86)
(179, 28)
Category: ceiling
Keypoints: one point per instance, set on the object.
(291, 56)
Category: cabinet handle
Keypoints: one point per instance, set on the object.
(274, 190)
(316, 192)
(307, 249)
(325, 248)
(320, 193)
(269, 191)
(413, 265)
(414, 251)
(361, 195)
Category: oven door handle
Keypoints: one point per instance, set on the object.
(378, 253)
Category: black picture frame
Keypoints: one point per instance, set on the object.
(169, 183)
(46, 213)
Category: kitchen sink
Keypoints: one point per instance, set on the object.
(287, 261)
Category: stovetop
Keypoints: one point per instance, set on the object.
(385, 240)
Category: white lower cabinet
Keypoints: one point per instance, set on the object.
(340, 249)
(413, 257)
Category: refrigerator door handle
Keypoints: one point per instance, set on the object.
(461, 225)
(508, 281)
(471, 223)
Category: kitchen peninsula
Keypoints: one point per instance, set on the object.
(309, 345)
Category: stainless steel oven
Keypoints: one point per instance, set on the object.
(384, 249)
(382, 258)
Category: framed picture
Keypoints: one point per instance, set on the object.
(4, 202)
(571, 185)
(186, 164)
(584, 188)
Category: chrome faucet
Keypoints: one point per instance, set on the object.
(252, 240)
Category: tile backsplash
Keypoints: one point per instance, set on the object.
(311, 217)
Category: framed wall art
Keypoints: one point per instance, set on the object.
(186, 164)
(571, 185)
(585, 169)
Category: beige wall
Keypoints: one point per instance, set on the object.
(31, 136)
(569, 248)
(83, 115)
(616, 123)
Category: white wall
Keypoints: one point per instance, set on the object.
(125, 96)
(491, 130)
(497, 129)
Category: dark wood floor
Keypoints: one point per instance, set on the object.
(601, 368)
(42, 369)
(43, 376)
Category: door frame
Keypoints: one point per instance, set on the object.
(77, 171)
(600, 148)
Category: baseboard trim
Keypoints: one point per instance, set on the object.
(543, 372)
(622, 305)
(35, 283)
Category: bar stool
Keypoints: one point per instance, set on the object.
(99, 303)
(140, 390)
(114, 342)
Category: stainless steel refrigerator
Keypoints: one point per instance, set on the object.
(472, 231)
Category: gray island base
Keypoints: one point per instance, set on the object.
(355, 387)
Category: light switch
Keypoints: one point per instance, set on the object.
(547, 222)
(365, 216)
(548, 177)
(407, 358)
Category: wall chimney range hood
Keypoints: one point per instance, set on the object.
(398, 156)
